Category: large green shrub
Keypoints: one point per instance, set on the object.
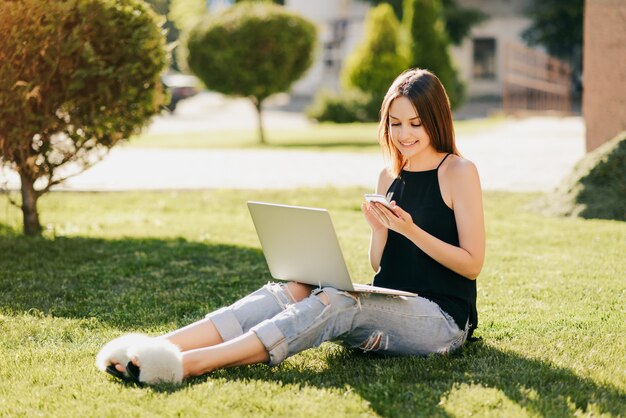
(596, 187)
(252, 50)
(378, 60)
(76, 77)
(429, 44)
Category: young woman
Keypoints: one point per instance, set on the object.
(432, 243)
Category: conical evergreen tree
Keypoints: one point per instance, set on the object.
(429, 44)
(378, 60)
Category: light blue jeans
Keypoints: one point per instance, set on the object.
(390, 325)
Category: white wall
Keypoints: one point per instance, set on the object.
(503, 29)
(323, 13)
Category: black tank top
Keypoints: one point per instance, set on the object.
(405, 267)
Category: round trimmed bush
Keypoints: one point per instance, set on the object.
(252, 50)
(76, 77)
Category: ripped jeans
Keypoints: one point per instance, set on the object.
(390, 325)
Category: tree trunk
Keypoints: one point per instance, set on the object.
(258, 104)
(29, 206)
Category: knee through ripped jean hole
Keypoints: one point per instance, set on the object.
(280, 289)
(376, 341)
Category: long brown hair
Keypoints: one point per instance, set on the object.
(429, 98)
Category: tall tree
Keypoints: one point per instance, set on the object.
(378, 60)
(458, 20)
(76, 78)
(429, 44)
(252, 49)
(558, 26)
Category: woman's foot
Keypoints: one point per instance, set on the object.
(112, 358)
(155, 361)
(142, 359)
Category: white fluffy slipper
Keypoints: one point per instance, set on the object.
(114, 352)
(159, 360)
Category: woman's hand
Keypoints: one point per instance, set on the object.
(399, 220)
(371, 218)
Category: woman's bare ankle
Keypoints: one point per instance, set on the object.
(195, 364)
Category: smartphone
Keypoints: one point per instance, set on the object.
(379, 198)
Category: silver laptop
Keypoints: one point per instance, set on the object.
(300, 244)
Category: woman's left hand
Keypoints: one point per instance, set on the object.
(399, 220)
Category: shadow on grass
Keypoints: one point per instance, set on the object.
(155, 283)
(415, 386)
(127, 283)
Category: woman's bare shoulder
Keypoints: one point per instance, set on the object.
(460, 183)
(385, 178)
(456, 166)
(460, 176)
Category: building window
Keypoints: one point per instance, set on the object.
(332, 48)
(485, 58)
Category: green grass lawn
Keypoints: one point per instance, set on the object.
(551, 306)
(322, 137)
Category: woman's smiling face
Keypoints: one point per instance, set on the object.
(406, 129)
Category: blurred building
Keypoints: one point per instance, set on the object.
(480, 59)
(492, 61)
(340, 25)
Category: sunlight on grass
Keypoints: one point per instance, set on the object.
(552, 317)
(320, 137)
(476, 400)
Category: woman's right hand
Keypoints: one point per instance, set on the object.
(371, 217)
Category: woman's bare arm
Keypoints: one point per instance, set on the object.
(379, 231)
